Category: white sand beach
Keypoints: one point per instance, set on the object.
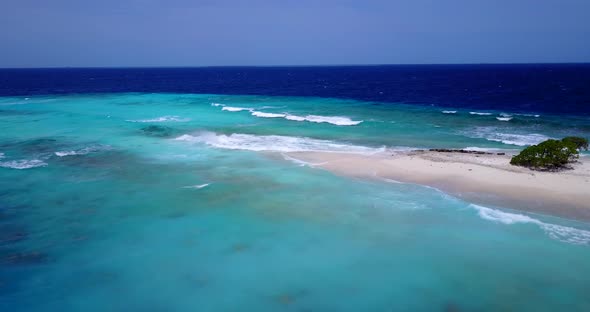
(482, 179)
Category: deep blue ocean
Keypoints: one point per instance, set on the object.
(175, 189)
(539, 88)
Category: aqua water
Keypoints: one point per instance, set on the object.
(160, 202)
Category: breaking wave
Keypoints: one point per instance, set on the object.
(485, 149)
(235, 109)
(82, 151)
(480, 113)
(335, 120)
(23, 164)
(199, 186)
(267, 115)
(492, 134)
(274, 143)
(294, 118)
(449, 112)
(559, 232)
(162, 119)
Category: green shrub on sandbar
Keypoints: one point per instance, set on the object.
(581, 143)
(549, 155)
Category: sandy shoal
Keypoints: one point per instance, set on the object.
(481, 179)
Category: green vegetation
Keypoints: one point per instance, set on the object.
(581, 143)
(551, 154)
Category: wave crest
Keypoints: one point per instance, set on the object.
(83, 151)
(235, 109)
(268, 115)
(198, 186)
(275, 143)
(492, 134)
(23, 164)
(162, 119)
(335, 120)
(294, 118)
(558, 232)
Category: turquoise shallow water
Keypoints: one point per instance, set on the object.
(171, 202)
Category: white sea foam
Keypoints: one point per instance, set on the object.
(67, 153)
(267, 115)
(504, 118)
(1, 155)
(518, 139)
(294, 118)
(162, 119)
(235, 109)
(82, 151)
(300, 162)
(529, 115)
(502, 217)
(449, 112)
(335, 120)
(23, 164)
(484, 149)
(390, 180)
(275, 143)
(199, 186)
(492, 134)
(480, 113)
(559, 232)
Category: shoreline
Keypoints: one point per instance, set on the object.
(485, 179)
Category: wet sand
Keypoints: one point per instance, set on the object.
(481, 179)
